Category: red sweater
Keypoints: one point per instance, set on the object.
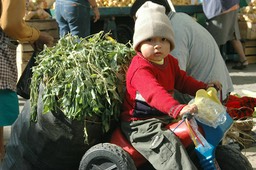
(149, 88)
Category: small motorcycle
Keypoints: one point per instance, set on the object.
(119, 154)
(202, 140)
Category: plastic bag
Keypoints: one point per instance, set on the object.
(204, 150)
(52, 143)
(23, 85)
(196, 136)
(210, 110)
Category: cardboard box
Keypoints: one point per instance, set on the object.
(247, 30)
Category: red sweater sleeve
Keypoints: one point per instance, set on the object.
(154, 93)
(184, 83)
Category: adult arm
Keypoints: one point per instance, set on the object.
(95, 10)
(12, 22)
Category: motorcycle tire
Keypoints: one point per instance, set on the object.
(229, 157)
(106, 156)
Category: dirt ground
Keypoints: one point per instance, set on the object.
(245, 85)
(250, 152)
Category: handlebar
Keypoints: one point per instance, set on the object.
(184, 117)
(187, 116)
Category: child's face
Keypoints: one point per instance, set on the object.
(155, 49)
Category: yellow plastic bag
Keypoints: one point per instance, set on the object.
(210, 110)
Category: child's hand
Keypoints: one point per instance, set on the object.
(216, 84)
(191, 108)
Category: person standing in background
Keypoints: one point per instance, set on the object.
(222, 23)
(73, 16)
(196, 50)
(13, 28)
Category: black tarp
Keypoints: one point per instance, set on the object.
(51, 143)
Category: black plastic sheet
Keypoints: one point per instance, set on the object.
(51, 143)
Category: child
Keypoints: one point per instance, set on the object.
(151, 78)
(196, 50)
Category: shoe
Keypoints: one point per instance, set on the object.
(240, 65)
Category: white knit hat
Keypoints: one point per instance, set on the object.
(152, 22)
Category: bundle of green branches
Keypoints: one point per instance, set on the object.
(81, 77)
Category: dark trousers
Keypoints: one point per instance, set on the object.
(157, 144)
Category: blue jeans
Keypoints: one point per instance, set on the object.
(73, 16)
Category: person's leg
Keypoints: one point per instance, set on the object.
(79, 20)
(239, 49)
(2, 150)
(237, 45)
(62, 23)
(159, 146)
(182, 98)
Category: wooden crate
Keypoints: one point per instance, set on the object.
(250, 50)
(247, 30)
(24, 51)
(46, 25)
